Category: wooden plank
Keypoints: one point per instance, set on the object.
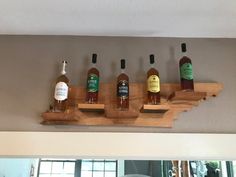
(59, 116)
(212, 89)
(187, 96)
(90, 107)
(156, 107)
(122, 114)
(161, 108)
(103, 121)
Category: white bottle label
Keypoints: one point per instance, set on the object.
(61, 91)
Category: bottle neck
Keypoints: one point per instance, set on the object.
(152, 65)
(184, 54)
(93, 65)
(63, 70)
(122, 70)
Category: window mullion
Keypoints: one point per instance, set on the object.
(229, 167)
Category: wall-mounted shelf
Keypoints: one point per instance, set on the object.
(173, 102)
(91, 107)
(155, 108)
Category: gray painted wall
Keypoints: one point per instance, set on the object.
(30, 65)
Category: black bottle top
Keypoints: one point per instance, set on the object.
(152, 59)
(122, 63)
(183, 47)
(94, 58)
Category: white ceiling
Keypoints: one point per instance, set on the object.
(161, 18)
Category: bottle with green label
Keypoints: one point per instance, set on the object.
(93, 82)
(186, 70)
(153, 83)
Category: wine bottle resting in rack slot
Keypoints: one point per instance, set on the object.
(153, 83)
(186, 70)
(123, 89)
(93, 82)
(61, 91)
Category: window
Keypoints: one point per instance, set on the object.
(98, 168)
(77, 168)
(234, 168)
(56, 168)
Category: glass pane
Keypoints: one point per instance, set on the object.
(110, 174)
(45, 167)
(69, 167)
(234, 168)
(111, 166)
(87, 166)
(98, 166)
(86, 174)
(57, 175)
(98, 174)
(71, 175)
(44, 175)
(57, 167)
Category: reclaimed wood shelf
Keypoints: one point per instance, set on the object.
(91, 107)
(173, 102)
(160, 108)
(121, 114)
(187, 96)
(68, 115)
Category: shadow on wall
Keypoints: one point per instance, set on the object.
(83, 73)
(172, 67)
(113, 73)
(140, 75)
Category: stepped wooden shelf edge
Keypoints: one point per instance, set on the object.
(173, 102)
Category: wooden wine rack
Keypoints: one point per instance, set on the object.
(173, 102)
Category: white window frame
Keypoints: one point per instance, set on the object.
(53, 160)
(99, 160)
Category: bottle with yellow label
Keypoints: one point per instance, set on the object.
(153, 83)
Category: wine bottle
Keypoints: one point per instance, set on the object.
(123, 89)
(61, 90)
(186, 70)
(153, 83)
(93, 82)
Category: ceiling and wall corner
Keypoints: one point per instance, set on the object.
(152, 18)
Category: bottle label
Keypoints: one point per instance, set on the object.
(92, 83)
(123, 89)
(61, 91)
(186, 71)
(153, 84)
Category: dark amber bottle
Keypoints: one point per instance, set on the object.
(123, 89)
(186, 71)
(153, 83)
(61, 91)
(93, 82)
